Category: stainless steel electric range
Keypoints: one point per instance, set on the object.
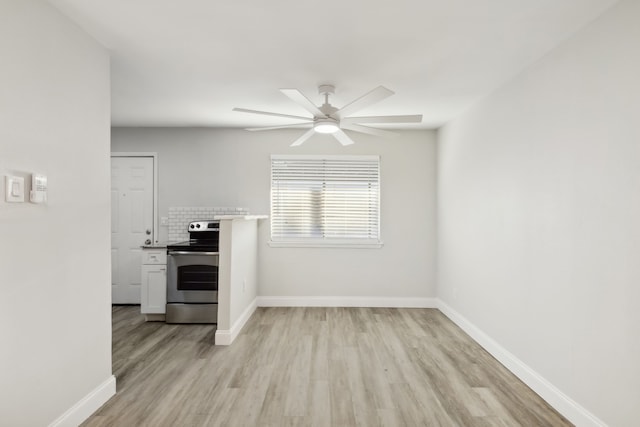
(192, 275)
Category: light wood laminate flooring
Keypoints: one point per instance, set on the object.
(314, 367)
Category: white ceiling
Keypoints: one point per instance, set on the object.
(189, 62)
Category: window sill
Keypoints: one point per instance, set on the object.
(343, 245)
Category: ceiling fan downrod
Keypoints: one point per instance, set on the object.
(325, 90)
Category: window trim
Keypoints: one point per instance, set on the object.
(311, 242)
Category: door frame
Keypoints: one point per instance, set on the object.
(154, 156)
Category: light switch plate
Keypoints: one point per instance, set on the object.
(14, 189)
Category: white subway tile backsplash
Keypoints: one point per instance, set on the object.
(180, 217)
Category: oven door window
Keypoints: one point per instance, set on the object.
(197, 278)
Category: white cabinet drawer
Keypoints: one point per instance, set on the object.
(154, 256)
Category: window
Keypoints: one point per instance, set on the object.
(325, 200)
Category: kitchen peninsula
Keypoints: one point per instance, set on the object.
(238, 274)
(237, 280)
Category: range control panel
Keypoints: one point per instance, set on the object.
(204, 226)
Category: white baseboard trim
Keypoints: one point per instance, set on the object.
(82, 410)
(575, 413)
(392, 302)
(226, 337)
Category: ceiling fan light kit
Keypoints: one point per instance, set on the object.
(327, 125)
(328, 119)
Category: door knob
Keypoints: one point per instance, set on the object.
(147, 242)
(148, 232)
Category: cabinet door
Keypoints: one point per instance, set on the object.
(154, 289)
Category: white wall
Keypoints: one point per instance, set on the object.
(238, 282)
(55, 316)
(225, 167)
(539, 216)
(244, 264)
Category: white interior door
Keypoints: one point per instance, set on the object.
(131, 224)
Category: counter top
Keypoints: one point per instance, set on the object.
(240, 217)
(155, 246)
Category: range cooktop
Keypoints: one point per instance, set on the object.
(203, 237)
(194, 246)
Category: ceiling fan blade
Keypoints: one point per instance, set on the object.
(342, 137)
(297, 125)
(369, 98)
(266, 113)
(296, 96)
(367, 129)
(383, 119)
(303, 138)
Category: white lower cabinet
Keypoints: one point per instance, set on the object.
(153, 298)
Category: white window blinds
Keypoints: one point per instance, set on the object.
(328, 199)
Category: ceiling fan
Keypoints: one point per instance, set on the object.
(329, 119)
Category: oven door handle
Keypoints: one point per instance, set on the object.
(191, 253)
